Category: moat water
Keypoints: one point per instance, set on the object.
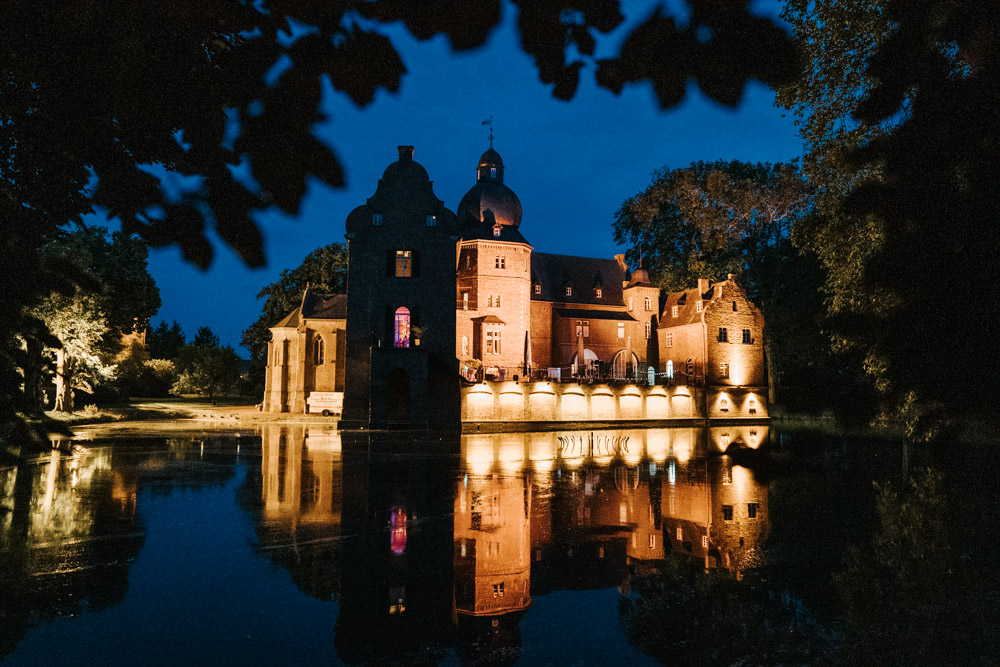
(292, 545)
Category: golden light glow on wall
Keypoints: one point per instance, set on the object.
(511, 454)
(657, 444)
(479, 454)
(682, 445)
(542, 448)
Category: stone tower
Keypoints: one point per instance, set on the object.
(401, 369)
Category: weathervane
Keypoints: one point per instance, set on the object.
(490, 123)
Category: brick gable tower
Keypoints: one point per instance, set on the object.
(401, 366)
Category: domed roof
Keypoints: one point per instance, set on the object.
(489, 194)
(406, 168)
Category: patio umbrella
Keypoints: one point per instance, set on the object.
(527, 353)
(628, 357)
(579, 353)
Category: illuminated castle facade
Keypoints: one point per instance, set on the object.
(434, 294)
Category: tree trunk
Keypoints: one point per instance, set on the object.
(33, 375)
(64, 382)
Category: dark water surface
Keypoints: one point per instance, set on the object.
(295, 546)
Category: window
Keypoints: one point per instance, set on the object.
(432, 221)
(734, 306)
(673, 311)
(680, 534)
(649, 329)
(752, 510)
(724, 372)
(704, 541)
(538, 288)
(669, 370)
(404, 263)
(498, 588)
(465, 347)
(652, 541)
(568, 291)
(598, 292)
(492, 342)
(724, 405)
(746, 337)
(493, 172)
(401, 332)
(697, 306)
(497, 301)
(723, 335)
(318, 350)
(668, 339)
(583, 328)
(647, 303)
(727, 512)
(465, 300)
(489, 301)
(496, 232)
(500, 261)
(376, 219)
(752, 405)
(621, 329)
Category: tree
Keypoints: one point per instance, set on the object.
(205, 368)
(165, 342)
(711, 219)
(911, 228)
(114, 294)
(324, 269)
(98, 107)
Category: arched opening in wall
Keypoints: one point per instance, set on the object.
(398, 397)
(589, 359)
(620, 368)
(401, 327)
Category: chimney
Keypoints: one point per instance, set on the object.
(703, 285)
(730, 276)
(405, 153)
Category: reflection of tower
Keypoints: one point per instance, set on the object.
(492, 545)
(396, 597)
(740, 517)
(401, 366)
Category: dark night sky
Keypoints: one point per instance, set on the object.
(572, 164)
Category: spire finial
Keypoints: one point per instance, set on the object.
(490, 123)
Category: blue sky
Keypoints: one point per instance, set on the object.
(571, 164)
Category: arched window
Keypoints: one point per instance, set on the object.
(648, 303)
(670, 370)
(401, 333)
(318, 349)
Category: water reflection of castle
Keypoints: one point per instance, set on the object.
(453, 554)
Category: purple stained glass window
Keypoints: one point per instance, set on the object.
(401, 337)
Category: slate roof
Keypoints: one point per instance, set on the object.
(583, 274)
(484, 232)
(687, 312)
(317, 306)
(590, 314)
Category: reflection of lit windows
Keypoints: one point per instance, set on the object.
(724, 370)
(404, 263)
(652, 541)
(498, 590)
(621, 329)
(401, 332)
(697, 306)
(649, 329)
(704, 541)
(318, 349)
(673, 311)
(727, 469)
(668, 339)
(397, 600)
(752, 405)
(727, 512)
(680, 534)
(746, 337)
(723, 335)
(648, 303)
(724, 405)
(752, 510)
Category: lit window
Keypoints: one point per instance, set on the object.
(723, 335)
(621, 329)
(496, 232)
(401, 333)
(432, 221)
(647, 303)
(752, 510)
(668, 339)
(673, 311)
(670, 370)
(704, 541)
(649, 329)
(404, 263)
(318, 350)
(724, 372)
(498, 588)
(697, 306)
(680, 534)
(746, 337)
(652, 541)
(492, 342)
(489, 301)
(568, 291)
(538, 288)
(598, 292)
(377, 219)
(465, 300)
(497, 301)
(727, 512)
(583, 328)
(500, 261)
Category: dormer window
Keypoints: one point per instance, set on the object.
(673, 311)
(648, 303)
(376, 219)
(538, 288)
(568, 291)
(432, 221)
(598, 292)
(697, 306)
(496, 232)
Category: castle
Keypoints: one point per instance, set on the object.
(436, 297)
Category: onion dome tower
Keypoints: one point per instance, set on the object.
(490, 209)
